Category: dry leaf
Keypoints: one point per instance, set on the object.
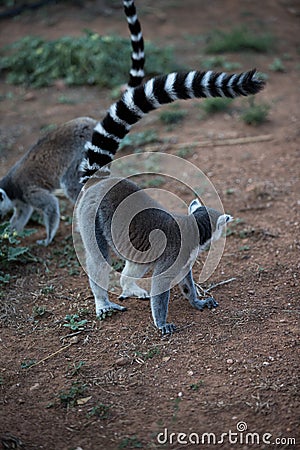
(83, 401)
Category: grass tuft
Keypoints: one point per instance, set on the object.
(256, 113)
(238, 40)
(215, 105)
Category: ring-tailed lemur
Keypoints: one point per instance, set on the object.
(107, 203)
(54, 160)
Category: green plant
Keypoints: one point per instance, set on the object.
(70, 397)
(86, 59)
(27, 363)
(65, 100)
(48, 289)
(172, 115)
(74, 322)
(255, 113)
(74, 369)
(244, 248)
(149, 354)
(237, 40)
(196, 386)
(185, 152)
(101, 411)
(215, 105)
(277, 65)
(130, 442)
(38, 311)
(68, 257)
(152, 182)
(219, 62)
(136, 141)
(11, 251)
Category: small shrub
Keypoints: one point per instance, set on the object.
(219, 62)
(101, 411)
(70, 397)
(215, 105)
(136, 141)
(172, 116)
(39, 311)
(238, 40)
(255, 114)
(277, 65)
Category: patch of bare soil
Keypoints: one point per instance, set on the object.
(117, 383)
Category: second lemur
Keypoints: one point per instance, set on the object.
(53, 162)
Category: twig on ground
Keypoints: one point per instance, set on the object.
(50, 356)
(212, 286)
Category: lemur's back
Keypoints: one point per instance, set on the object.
(49, 159)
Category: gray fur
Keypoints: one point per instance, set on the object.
(170, 259)
(50, 164)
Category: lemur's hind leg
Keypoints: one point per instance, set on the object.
(188, 289)
(70, 183)
(21, 215)
(130, 273)
(48, 204)
(98, 269)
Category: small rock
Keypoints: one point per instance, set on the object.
(229, 361)
(29, 97)
(122, 361)
(34, 387)
(74, 340)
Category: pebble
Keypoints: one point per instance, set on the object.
(122, 361)
(74, 340)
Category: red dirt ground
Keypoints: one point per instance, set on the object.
(238, 363)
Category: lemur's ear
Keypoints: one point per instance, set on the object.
(223, 220)
(195, 204)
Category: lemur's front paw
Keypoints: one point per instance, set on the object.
(168, 328)
(209, 303)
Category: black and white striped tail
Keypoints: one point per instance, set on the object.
(136, 73)
(137, 102)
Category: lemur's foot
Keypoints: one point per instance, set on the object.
(102, 313)
(209, 303)
(168, 328)
(44, 242)
(134, 292)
